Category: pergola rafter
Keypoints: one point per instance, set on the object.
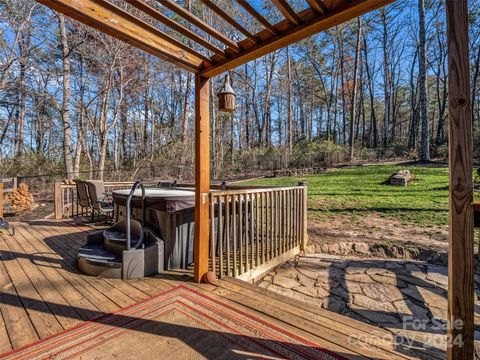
(287, 11)
(187, 15)
(110, 19)
(318, 6)
(311, 23)
(219, 11)
(140, 33)
(157, 15)
(321, 15)
(256, 15)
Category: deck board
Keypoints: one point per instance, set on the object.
(98, 288)
(118, 291)
(44, 293)
(83, 298)
(18, 325)
(66, 316)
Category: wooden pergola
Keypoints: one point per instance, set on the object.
(209, 58)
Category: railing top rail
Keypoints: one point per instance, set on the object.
(106, 183)
(216, 190)
(253, 190)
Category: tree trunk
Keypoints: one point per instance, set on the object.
(354, 90)
(422, 74)
(24, 47)
(289, 134)
(65, 110)
(386, 78)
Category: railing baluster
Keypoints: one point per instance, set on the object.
(220, 235)
(251, 236)
(76, 203)
(240, 232)
(245, 232)
(274, 223)
(267, 226)
(277, 222)
(257, 225)
(285, 228)
(281, 223)
(227, 232)
(294, 218)
(234, 230)
(289, 222)
(212, 229)
(67, 191)
(262, 219)
(299, 207)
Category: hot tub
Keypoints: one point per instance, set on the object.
(170, 214)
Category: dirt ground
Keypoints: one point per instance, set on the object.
(373, 228)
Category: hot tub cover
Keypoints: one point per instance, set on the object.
(169, 200)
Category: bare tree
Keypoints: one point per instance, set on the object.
(422, 80)
(65, 108)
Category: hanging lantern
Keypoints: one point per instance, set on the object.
(226, 97)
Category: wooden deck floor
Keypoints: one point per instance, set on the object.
(42, 293)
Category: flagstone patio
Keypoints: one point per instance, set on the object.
(406, 297)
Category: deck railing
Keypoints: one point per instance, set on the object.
(254, 229)
(6, 189)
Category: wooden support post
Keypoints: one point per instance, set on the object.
(202, 176)
(1, 199)
(58, 203)
(304, 224)
(461, 240)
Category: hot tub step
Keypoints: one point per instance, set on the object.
(95, 260)
(116, 241)
(118, 236)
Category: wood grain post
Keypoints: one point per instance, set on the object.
(202, 176)
(304, 224)
(461, 240)
(58, 203)
(1, 199)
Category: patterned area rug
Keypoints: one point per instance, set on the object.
(178, 324)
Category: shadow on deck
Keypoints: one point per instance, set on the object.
(43, 293)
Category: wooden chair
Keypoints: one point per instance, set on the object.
(82, 195)
(96, 192)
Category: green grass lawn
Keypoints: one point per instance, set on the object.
(362, 189)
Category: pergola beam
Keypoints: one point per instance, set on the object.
(461, 307)
(157, 15)
(265, 23)
(187, 15)
(318, 6)
(216, 9)
(347, 11)
(287, 11)
(107, 18)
